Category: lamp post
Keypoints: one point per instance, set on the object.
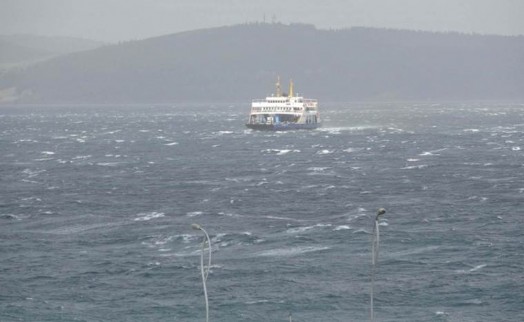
(203, 271)
(374, 257)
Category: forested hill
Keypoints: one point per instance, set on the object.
(241, 62)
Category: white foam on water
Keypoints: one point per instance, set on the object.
(342, 227)
(194, 213)
(516, 148)
(412, 167)
(295, 230)
(172, 143)
(476, 268)
(433, 152)
(325, 151)
(256, 302)
(145, 216)
(336, 130)
(108, 164)
(26, 140)
(292, 251)
(353, 217)
(48, 152)
(280, 151)
(282, 218)
(413, 160)
(82, 157)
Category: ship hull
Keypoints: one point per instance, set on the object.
(283, 126)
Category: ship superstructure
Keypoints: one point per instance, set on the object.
(281, 112)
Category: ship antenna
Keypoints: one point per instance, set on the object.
(203, 271)
(291, 88)
(278, 86)
(374, 258)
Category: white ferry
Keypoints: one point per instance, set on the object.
(280, 112)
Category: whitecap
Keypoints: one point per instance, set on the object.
(108, 164)
(120, 141)
(82, 157)
(48, 152)
(149, 215)
(172, 143)
(194, 213)
(474, 302)
(295, 230)
(317, 168)
(413, 160)
(342, 227)
(325, 151)
(433, 152)
(476, 268)
(292, 251)
(516, 148)
(420, 166)
(281, 218)
(279, 151)
(256, 302)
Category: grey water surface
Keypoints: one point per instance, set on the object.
(97, 202)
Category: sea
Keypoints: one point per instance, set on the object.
(97, 205)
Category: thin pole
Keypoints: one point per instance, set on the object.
(203, 271)
(374, 258)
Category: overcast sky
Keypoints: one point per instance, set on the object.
(118, 20)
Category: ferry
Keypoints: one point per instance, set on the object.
(281, 112)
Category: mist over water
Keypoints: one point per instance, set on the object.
(96, 207)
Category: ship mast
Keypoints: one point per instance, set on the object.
(278, 93)
(290, 88)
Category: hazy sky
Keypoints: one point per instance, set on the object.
(115, 20)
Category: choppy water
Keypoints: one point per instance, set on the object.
(96, 205)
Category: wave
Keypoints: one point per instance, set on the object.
(146, 216)
(471, 270)
(296, 230)
(293, 251)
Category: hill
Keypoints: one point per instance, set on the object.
(25, 49)
(241, 62)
